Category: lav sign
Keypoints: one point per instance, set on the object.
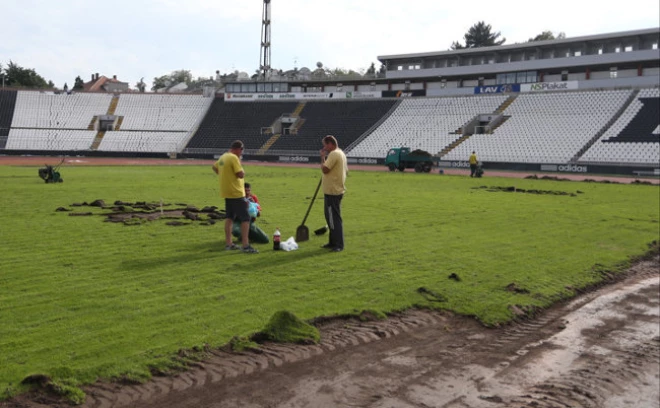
(487, 89)
(497, 89)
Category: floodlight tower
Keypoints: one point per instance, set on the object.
(264, 57)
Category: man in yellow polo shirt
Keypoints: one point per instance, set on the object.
(335, 169)
(232, 188)
(473, 163)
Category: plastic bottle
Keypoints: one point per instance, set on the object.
(276, 239)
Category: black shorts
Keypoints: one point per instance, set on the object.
(237, 209)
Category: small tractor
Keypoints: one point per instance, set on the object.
(401, 158)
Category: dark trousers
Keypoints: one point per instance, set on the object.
(473, 169)
(332, 210)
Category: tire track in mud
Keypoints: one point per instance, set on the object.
(534, 328)
(604, 376)
(224, 365)
(591, 386)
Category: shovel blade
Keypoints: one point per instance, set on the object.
(302, 234)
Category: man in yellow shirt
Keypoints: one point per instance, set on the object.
(232, 188)
(335, 169)
(473, 163)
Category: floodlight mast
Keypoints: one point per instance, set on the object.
(264, 57)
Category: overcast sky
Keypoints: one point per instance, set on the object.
(61, 39)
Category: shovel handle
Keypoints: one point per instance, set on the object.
(313, 198)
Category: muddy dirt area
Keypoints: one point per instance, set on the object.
(514, 189)
(135, 213)
(601, 349)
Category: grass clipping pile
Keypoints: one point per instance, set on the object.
(285, 327)
(140, 212)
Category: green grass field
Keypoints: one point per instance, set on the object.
(82, 299)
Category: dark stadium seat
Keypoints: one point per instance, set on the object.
(633, 137)
(7, 105)
(346, 120)
(641, 126)
(228, 121)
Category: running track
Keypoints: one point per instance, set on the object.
(35, 161)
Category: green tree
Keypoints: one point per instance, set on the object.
(548, 35)
(337, 72)
(175, 77)
(78, 84)
(161, 82)
(340, 73)
(141, 85)
(371, 72)
(382, 71)
(181, 75)
(457, 46)
(15, 75)
(201, 82)
(479, 35)
(356, 74)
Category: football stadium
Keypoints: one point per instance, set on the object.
(116, 287)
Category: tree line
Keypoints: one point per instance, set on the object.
(479, 35)
(482, 35)
(13, 75)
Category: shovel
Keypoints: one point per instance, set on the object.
(302, 232)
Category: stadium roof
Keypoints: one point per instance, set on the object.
(534, 44)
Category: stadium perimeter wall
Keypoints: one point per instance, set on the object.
(574, 168)
(560, 168)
